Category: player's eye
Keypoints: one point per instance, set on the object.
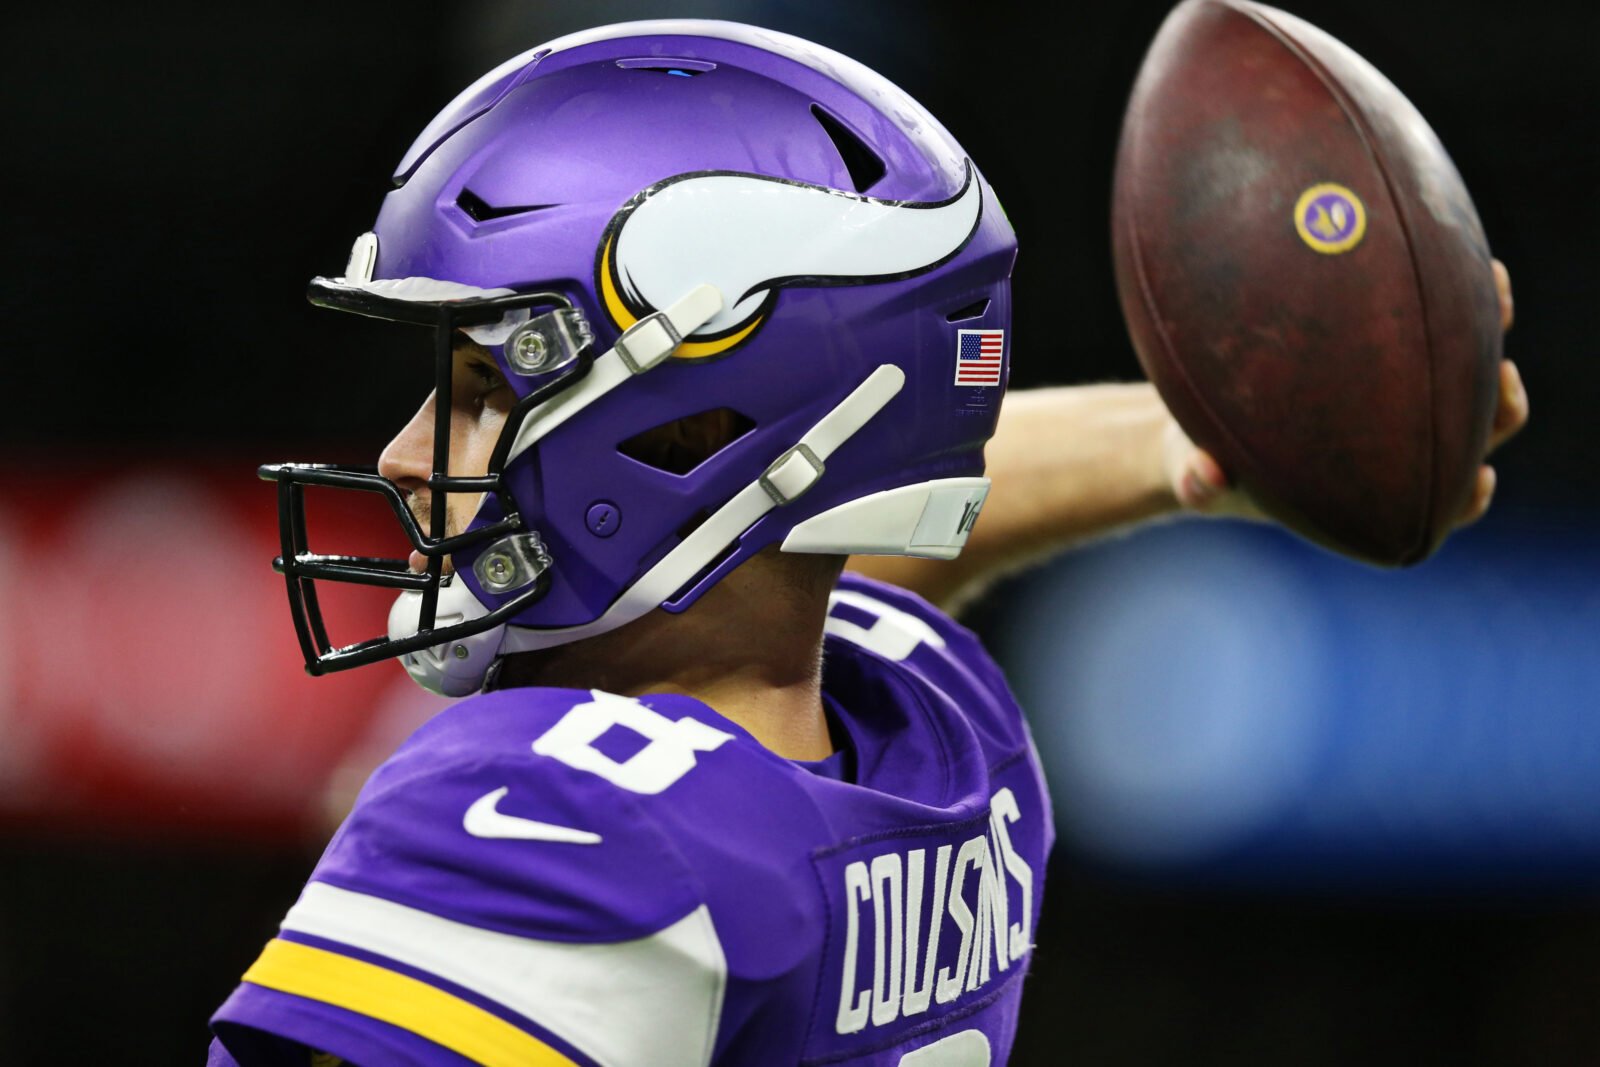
(487, 375)
(477, 379)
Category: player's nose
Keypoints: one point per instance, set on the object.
(408, 459)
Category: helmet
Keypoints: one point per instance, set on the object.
(643, 223)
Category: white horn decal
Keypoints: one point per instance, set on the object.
(750, 235)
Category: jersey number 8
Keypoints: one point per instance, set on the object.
(669, 755)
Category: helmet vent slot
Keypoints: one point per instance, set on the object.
(479, 210)
(680, 446)
(865, 168)
(970, 311)
(678, 68)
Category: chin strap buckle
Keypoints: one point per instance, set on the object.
(648, 342)
(792, 473)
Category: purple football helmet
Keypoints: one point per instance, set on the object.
(646, 222)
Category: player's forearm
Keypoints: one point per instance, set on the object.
(1068, 464)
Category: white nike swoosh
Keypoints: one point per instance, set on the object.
(484, 820)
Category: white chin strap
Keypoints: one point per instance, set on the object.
(788, 476)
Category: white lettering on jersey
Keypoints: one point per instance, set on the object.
(904, 980)
(886, 896)
(895, 635)
(917, 998)
(857, 887)
(950, 978)
(1003, 809)
(669, 756)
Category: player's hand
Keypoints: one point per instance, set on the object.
(1510, 415)
(1200, 484)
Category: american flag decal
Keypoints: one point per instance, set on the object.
(978, 356)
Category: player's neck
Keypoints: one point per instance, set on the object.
(751, 648)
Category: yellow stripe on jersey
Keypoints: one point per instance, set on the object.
(400, 1000)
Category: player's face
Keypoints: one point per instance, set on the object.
(480, 403)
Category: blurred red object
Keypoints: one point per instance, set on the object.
(149, 674)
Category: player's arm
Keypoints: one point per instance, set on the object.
(1066, 464)
(1076, 462)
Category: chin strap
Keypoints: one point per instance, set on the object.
(795, 471)
(459, 668)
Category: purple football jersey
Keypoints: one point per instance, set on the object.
(551, 876)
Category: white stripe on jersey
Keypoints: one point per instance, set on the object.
(655, 1000)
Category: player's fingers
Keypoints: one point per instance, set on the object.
(1482, 497)
(1203, 482)
(1511, 413)
(1502, 285)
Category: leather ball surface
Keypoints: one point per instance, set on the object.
(1305, 279)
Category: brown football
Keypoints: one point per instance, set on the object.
(1305, 279)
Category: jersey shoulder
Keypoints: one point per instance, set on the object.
(530, 810)
(501, 878)
(886, 628)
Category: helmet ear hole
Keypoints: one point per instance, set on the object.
(680, 446)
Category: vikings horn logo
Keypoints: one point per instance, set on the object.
(751, 235)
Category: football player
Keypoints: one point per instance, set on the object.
(713, 310)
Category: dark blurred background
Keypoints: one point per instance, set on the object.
(1309, 813)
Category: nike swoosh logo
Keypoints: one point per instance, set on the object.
(484, 819)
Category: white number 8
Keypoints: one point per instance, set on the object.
(669, 756)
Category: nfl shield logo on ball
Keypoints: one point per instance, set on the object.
(1330, 218)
